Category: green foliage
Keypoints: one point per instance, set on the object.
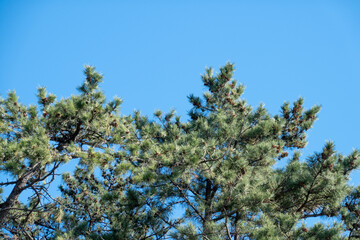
(134, 175)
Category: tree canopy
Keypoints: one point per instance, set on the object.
(209, 177)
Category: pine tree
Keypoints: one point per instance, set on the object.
(135, 174)
(35, 143)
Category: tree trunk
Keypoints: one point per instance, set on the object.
(236, 230)
(15, 193)
(208, 209)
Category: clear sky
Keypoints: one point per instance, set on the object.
(153, 52)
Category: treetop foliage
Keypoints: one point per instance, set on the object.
(210, 177)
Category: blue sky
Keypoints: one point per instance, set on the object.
(153, 52)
